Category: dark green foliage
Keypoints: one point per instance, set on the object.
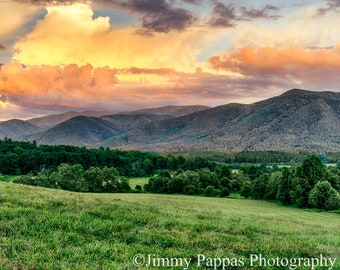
(72, 178)
(23, 157)
(191, 183)
(225, 192)
(297, 186)
(138, 188)
(307, 175)
(210, 191)
(75, 178)
(93, 177)
(285, 186)
(312, 169)
(324, 196)
(246, 189)
(334, 177)
(101, 170)
(259, 186)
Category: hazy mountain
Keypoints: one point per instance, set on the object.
(52, 120)
(12, 128)
(171, 110)
(297, 119)
(127, 122)
(79, 130)
(82, 130)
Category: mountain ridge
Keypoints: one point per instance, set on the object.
(295, 120)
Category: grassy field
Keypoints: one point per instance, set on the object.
(138, 181)
(52, 229)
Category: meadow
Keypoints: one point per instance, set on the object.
(53, 229)
(141, 181)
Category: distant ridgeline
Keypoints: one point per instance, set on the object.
(297, 120)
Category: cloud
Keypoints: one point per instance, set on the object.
(50, 2)
(193, 2)
(155, 15)
(253, 13)
(222, 15)
(160, 71)
(12, 24)
(74, 36)
(3, 47)
(85, 87)
(55, 86)
(310, 68)
(332, 6)
(73, 87)
(228, 15)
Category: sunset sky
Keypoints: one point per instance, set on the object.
(119, 55)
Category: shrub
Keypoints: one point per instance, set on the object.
(210, 191)
(225, 192)
(324, 196)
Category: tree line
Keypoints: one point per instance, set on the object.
(311, 184)
(76, 178)
(17, 158)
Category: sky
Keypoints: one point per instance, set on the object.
(121, 55)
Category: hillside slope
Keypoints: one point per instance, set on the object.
(297, 119)
(80, 130)
(12, 128)
(55, 119)
(171, 110)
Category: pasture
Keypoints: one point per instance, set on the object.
(53, 229)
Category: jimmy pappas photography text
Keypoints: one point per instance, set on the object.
(255, 260)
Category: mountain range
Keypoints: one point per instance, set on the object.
(295, 120)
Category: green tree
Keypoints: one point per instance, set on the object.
(334, 177)
(246, 189)
(324, 196)
(285, 186)
(94, 179)
(157, 184)
(259, 186)
(308, 174)
(210, 191)
(72, 177)
(273, 185)
(225, 192)
(44, 179)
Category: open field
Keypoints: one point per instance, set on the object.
(138, 181)
(52, 229)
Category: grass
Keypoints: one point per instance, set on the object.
(138, 181)
(52, 229)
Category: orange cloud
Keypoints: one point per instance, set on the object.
(54, 85)
(278, 61)
(73, 86)
(86, 87)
